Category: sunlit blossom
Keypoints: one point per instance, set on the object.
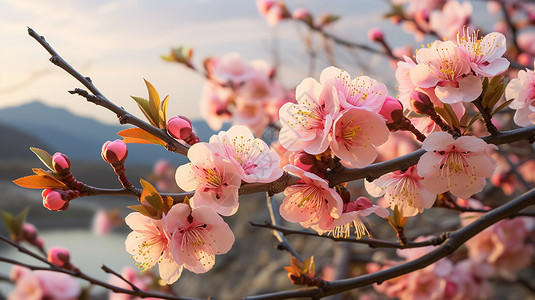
(522, 91)
(485, 53)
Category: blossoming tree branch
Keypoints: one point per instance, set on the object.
(345, 151)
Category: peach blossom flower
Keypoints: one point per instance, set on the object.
(198, 235)
(446, 69)
(362, 91)
(213, 177)
(402, 189)
(213, 104)
(128, 273)
(149, 243)
(310, 201)
(451, 18)
(58, 286)
(231, 68)
(485, 53)
(352, 215)
(355, 134)
(27, 287)
(306, 125)
(459, 166)
(522, 91)
(251, 156)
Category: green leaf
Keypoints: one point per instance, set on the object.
(43, 156)
(444, 114)
(151, 195)
(452, 115)
(141, 209)
(15, 224)
(140, 136)
(163, 112)
(144, 107)
(501, 106)
(476, 117)
(496, 96)
(154, 103)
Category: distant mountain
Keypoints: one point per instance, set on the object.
(79, 137)
(15, 143)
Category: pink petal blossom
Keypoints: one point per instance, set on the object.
(522, 91)
(352, 216)
(140, 281)
(310, 201)
(450, 19)
(58, 286)
(446, 69)
(362, 91)
(149, 243)
(232, 68)
(214, 103)
(459, 166)
(306, 125)
(356, 133)
(213, 177)
(251, 156)
(198, 235)
(27, 287)
(486, 53)
(402, 189)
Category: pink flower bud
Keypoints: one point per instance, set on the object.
(421, 103)
(359, 204)
(60, 162)
(302, 14)
(29, 232)
(392, 110)
(39, 242)
(114, 152)
(304, 161)
(375, 34)
(55, 199)
(179, 127)
(59, 256)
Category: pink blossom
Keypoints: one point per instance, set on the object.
(149, 243)
(17, 272)
(503, 246)
(142, 281)
(101, 224)
(352, 215)
(362, 91)
(58, 286)
(526, 42)
(27, 287)
(198, 235)
(54, 199)
(213, 177)
(522, 91)
(251, 156)
(469, 280)
(459, 166)
(451, 18)
(398, 144)
(446, 69)
(485, 53)
(306, 125)
(310, 201)
(402, 189)
(59, 256)
(356, 133)
(60, 162)
(214, 103)
(114, 152)
(231, 68)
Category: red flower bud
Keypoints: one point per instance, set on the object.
(55, 199)
(304, 161)
(392, 110)
(375, 34)
(59, 256)
(29, 232)
(114, 152)
(179, 127)
(421, 103)
(60, 162)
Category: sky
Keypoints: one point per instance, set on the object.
(119, 43)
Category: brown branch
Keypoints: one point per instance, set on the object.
(371, 242)
(99, 99)
(283, 242)
(454, 241)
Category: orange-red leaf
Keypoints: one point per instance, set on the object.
(140, 136)
(39, 182)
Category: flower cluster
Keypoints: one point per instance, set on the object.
(522, 91)
(241, 91)
(43, 285)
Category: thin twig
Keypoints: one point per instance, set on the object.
(99, 99)
(283, 242)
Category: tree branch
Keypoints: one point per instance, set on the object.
(99, 99)
(454, 241)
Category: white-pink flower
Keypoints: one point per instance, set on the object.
(451, 18)
(306, 125)
(251, 156)
(310, 201)
(198, 235)
(459, 166)
(352, 215)
(58, 286)
(446, 69)
(213, 177)
(402, 189)
(355, 134)
(27, 287)
(149, 243)
(522, 91)
(362, 91)
(485, 53)
(233, 68)
(214, 103)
